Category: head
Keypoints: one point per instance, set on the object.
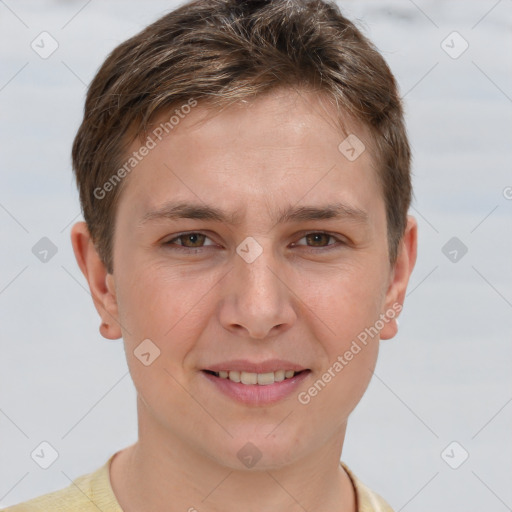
(273, 134)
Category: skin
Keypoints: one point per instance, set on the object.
(205, 308)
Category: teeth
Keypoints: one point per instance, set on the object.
(234, 376)
(248, 378)
(279, 375)
(265, 378)
(261, 379)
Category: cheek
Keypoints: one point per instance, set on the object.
(337, 389)
(171, 308)
(344, 315)
(160, 302)
(347, 299)
(163, 307)
(346, 307)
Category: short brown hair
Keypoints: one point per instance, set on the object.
(221, 51)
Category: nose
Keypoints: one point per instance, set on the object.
(257, 302)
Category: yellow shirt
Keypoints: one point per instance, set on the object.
(93, 492)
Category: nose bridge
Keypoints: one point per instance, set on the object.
(257, 298)
(253, 268)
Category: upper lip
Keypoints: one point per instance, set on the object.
(244, 365)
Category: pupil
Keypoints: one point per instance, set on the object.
(316, 236)
(193, 238)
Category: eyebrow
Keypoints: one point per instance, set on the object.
(184, 210)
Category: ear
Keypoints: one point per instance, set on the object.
(400, 274)
(101, 283)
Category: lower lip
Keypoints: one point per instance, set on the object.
(255, 394)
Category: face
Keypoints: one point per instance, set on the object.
(246, 241)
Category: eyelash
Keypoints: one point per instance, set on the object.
(195, 250)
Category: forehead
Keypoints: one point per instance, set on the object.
(276, 149)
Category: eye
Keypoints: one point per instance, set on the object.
(320, 237)
(191, 240)
(194, 240)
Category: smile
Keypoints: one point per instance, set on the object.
(249, 378)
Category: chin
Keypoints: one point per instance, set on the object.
(257, 452)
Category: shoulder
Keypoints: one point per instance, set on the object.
(87, 493)
(367, 500)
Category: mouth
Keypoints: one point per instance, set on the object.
(256, 389)
(258, 379)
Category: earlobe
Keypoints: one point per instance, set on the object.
(389, 331)
(401, 273)
(105, 331)
(101, 284)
